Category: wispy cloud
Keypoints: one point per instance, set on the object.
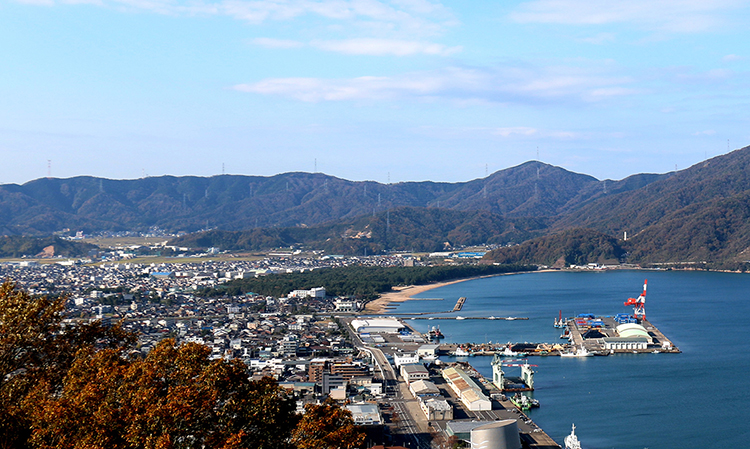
(420, 17)
(732, 58)
(495, 85)
(365, 46)
(369, 46)
(683, 16)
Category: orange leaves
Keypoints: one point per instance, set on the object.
(327, 426)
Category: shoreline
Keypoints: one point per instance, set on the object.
(403, 294)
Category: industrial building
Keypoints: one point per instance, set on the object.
(497, 435)
(378, 326)
(466, 389)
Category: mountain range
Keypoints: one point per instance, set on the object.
(697, 214)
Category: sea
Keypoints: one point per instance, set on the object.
(699, 398)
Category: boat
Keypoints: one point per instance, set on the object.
(580, 352)
(460, 318)
(508, 352)
(523, 402)
(435, 334)
(461, 352)
(511, 318)
(559, 323)
(571, 441)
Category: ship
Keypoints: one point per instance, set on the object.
(523, 402)
(580, 352)
(559, 322)
(435, 334)
(461, 352)
(571, 441)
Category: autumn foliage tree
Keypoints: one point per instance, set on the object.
(75, 387)
(327, 426)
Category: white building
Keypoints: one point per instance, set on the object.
(467, 390)
(318, 292)
(345, 305)
(365, 414)
(404, 359)
(378, 326)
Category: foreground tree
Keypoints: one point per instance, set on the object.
(36, 348)
(74, 387)
(174, 398)
(327, 426)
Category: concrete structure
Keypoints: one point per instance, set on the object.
(629, 343)
(404, 359)
(424, 388)
(345, 305)
(466, 389)
(633, 330)
(497, 435)
(428, 350)
(365, 414)
(414, 372)
(377, 326)
(318, 292)
(436, 409)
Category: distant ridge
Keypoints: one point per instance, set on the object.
(700, 214)
(235, 202)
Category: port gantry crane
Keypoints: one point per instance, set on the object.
(639, 304)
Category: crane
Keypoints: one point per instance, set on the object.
(639, 304)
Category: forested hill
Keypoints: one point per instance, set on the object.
(233, 202)
(414, 229)
(698, 214)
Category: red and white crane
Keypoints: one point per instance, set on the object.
(639, 304)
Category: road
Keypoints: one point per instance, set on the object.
(408, 427)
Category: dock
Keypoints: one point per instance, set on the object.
(459, 304)
(599, 335)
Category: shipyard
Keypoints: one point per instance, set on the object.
(453, 400)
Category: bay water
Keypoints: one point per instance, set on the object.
(697, 399)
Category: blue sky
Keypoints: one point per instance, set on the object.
(401, 90)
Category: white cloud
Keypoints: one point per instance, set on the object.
(496, 85)
(664, 15)
(732, 58)
(420, 17)
(363, 46)
(368, 46)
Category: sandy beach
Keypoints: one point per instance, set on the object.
(402, 294)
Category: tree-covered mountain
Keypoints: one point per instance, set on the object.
(571, 247)
(417, 229)
(17, 246)
(232, 202)
(697, 214)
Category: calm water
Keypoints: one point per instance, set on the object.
(697, 399)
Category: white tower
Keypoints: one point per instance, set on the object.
(498, 376)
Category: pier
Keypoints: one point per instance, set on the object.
(459, 304)
(599, 335)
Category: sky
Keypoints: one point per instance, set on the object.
(383, 90)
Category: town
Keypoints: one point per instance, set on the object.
(314, 345)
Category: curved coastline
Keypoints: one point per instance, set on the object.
(402, 294)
